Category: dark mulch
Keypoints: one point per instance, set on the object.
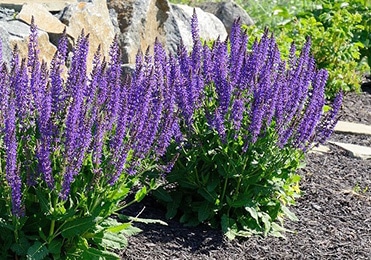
(334, 213)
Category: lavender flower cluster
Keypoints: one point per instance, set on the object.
(50, 123)
(255, 89)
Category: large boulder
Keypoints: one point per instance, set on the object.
(42, 17)
(227, 12)
(210, 27)
(93, 17)
(15, 32)
(140, 23)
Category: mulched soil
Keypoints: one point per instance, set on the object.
(334, 212)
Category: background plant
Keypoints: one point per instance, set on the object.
(72, 149)
(247, 117)
(339, 30)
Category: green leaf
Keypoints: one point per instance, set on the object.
(78, 226)
(204, 212)
(148, 221)
(162, 195)
(110, 240)
(230, 234)
(277, 230)
(130, 231)
(55, 246)
(253, 213)
(5, 224)
(97, 254)
(289, 213)
(118, 228)
(266, 221)
(210, 197)
(37, 251)
(140, 194)
(120, 193)
(21, 247)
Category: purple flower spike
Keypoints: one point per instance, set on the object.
(327, 125)
(1, 52)
(12, 174)
(197, 46)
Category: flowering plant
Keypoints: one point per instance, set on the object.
(247, 119)
(72, 148)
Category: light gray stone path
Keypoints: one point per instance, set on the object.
(321, 149)
(357, 151)
(354, 128)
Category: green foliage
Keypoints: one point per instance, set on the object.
(82, 227)
(340, 32)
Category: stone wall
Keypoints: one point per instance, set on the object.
(137, 23)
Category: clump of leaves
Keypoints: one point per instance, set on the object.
(247, 117)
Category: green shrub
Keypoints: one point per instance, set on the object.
(340, 32)
(246, 119)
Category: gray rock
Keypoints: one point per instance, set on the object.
(94, 18)
(16, 32)
(227, 12)
(6, 13)
(42, 17)
(210, 27)
(140, 22)
(51, 5)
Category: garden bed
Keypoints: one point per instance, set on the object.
(334, 212)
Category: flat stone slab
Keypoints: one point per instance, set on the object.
(356, 151)
(353, 128)
(320, 149)
(51, 5)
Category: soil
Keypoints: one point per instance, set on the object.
(334, 212)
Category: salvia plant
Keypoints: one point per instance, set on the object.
(73, 144)
(246, 118)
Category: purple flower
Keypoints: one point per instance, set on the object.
(237, 113)
(256, 115)
(238, 42)
(4, 94)
(197, 46)
(217, 123)
(326, 126)
(312, 112)
(12, 173)
(1, 52)
(43, 152)
(114, 81)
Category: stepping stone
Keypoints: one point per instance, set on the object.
(353, 128)
(356, 151)
(320, 149)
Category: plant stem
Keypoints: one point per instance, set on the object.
(224, 189)
(16, 237)
(52, 226)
